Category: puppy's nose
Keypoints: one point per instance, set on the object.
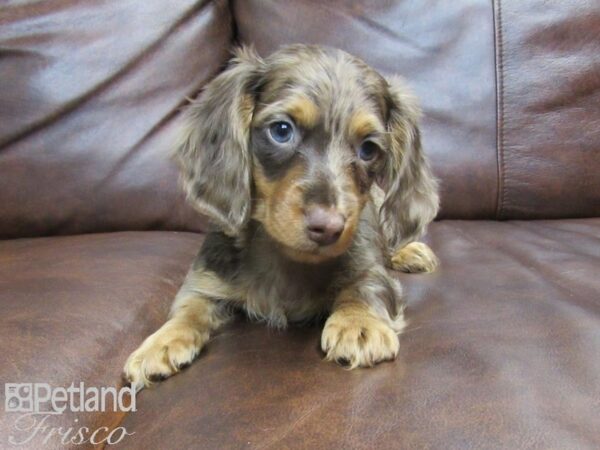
(324, 225)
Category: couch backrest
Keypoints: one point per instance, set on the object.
(90, 93)
(510, 90)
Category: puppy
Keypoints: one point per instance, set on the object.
(309, 165)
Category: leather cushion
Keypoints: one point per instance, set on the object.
(510, 94)
(549, 108)
(501, 351)
(501, 348)
(73, 307)
(445, 50)
(90, 94)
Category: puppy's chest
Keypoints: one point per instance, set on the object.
(269, 285)
(280, 290)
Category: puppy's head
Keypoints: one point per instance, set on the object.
(296, 142)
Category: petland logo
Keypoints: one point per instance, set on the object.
(36, 403)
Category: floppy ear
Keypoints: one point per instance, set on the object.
(213, 151)
(411, 192)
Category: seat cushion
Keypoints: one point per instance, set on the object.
(73, 307)
(501, 349)
(501, 352)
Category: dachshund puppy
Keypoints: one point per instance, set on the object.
(309, 165)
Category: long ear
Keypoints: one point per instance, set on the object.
(213, 150)
(411, 192)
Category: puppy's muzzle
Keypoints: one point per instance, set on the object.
(324, 225)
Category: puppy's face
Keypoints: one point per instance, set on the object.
(317, 141)
(296, 141)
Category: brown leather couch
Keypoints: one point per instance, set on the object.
(503, 346)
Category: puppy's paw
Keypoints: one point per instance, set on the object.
(360, 340)
(415, 257)
(164, 353)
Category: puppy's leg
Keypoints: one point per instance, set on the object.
(174, 345)
(415, 257)
(362, 328)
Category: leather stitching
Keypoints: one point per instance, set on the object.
(499, 107)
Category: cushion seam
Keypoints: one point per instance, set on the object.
(500, 109)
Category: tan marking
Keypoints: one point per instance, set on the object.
(207, 283)
(304, 112)
(193, 317)
(299, 107)
(363, 123)
(279, 206)
(173, 345)
(246, 107)
(353, 333)
(414, 258)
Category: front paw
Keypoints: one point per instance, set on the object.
(164, 353)
(414, 258)
(358, 339)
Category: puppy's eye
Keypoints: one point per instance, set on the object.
(368, 151)
(281, 132)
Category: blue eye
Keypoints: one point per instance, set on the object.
(368, 150)
(281, 132)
